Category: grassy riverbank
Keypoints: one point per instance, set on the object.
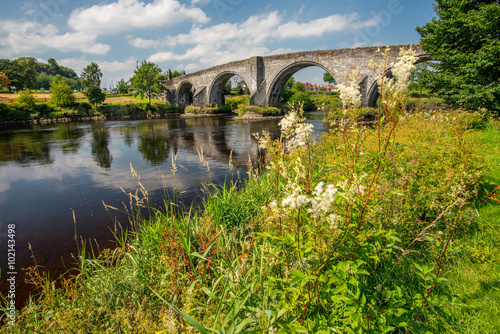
(347, 234)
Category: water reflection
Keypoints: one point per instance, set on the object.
(47, 172)
(99, 144)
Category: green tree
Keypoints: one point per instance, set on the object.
(239, 90)
(91, 84)
(26, 99)
(465, 40)
(62, 94)
(4, 80)
(298, 87)
(121, 87)
(44, 80)
(287, 92)
(148, 80)
(327, 77)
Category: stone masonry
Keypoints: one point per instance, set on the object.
(266, 76)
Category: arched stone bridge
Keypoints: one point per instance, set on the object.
(266, 76)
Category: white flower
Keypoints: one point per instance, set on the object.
(350, 95)
(322, 200)
(295, 200)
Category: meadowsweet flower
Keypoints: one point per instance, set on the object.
(295, 200)
(322, 200)
(303, 135)
(350, 95)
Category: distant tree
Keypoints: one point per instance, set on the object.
(464, 39)
(28, 71)
(239, 90)
(26, 99)
(148, 80)
(62, 94)
(44, 80)
(289, 84)
(176, 74)
(4, 80)
(287, 92)
(226, 90)
(21, 72)
(121, 87)
(299, 87)
(301, 98)
(91, 84)
(247, 90)
(327, 77)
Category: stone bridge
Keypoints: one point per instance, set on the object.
(266, 76)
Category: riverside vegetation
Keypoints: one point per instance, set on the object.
(367, 230)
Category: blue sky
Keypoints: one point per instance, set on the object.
(196, 34)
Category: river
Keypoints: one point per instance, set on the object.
(48, 172)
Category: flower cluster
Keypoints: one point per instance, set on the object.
(397, 86)
(295, 130)
(350, 94)
(323, 198)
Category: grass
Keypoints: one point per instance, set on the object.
(176, 272)
(475, 274)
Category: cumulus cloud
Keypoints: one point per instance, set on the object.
(30, 37)
(227, 42)
(127, 15)
(320, 26)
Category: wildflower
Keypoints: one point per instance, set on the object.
(295, 200)
(323, 199)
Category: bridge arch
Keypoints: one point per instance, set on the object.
(216, 97)
(279, 81)
(184, 96)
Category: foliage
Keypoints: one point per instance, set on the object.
(91, 84)
(148, 80)
(62, 94)
(21, 72)
(301, 98)
(327, 77)
(463, 38)
(4, 80)
(121, 87)
(26, 99)
(236, 101)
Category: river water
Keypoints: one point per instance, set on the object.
(48, 172)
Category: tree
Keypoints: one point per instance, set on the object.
(299, 87)
(465, 40)
(4, 80)
(26, 99)
(327, 77)
(121, 87)
(44, 80)
(148, 80)
(62, 94)
(91, 84)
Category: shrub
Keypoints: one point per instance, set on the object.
(301, 98)
(26, 99)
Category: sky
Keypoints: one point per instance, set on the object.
(196, 34)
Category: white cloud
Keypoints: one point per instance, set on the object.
(323, 25)
(29, 37)
(128, 15)
(225, 42)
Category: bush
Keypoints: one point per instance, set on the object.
(234, 102)
(301, 98)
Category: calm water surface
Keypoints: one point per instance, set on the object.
(47, 172)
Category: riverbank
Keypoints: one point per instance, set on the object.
(324, 237)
